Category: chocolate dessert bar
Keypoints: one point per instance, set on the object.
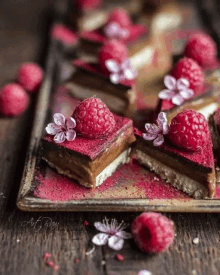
(193, 172)
(88, 80)
(91, 161)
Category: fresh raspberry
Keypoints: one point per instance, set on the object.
(61, 33)
(30, 76)
(189, 129)
(153, 232)
(112, 49)
(13, 100)
(93, 118)
(88, 4)
(189, 69)
(120, 16)
(202, 49)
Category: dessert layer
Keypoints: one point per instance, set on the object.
(92, 148)
(180, 181)
(204, 103)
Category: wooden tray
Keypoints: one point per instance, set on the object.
(42, 189)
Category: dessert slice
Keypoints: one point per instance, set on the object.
(186, 89)
(214, 124)
(180, 154)
(90, 146)
(112, 79)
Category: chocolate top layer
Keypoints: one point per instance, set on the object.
(98, 36)
(201, 159)
(92, 148)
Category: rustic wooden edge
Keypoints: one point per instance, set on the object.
(38, 124)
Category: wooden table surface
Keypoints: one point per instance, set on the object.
(25, 237)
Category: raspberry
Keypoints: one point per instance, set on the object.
(93, 118)
(13, 100)
(112, 49)
(153, 232)
(30, 76)
(61, 33)
(120, 16)
(189, 69)
(88, 4)
(189, 129)
(202, 49)
(120, 257)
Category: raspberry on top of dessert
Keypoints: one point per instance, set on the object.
(181, 153)
(90, 145)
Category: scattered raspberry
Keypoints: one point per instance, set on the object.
(93, 118)
(30, 77)
(153, 232)
(13, 100)
(50, 263)
(112, 49)
(201, 48)
(65, 35)
(46, 256)
(76, 261)
(120, 16)
(120, 257)
(189, 130)
(189, 69)
(88, 4)
(86, 223)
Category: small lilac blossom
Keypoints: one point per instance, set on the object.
(177, 90)
(120, 71)
(62, 129)
(144, 272)
(114, 30)
(157, 132)
(112, 233)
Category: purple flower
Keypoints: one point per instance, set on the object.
(155, 132)
(113, 234)
(62, 129)
(120, 71)
(177, 90)
(114, 30)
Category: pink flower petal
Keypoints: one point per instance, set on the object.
(162, 122)
(144, 272)
(152, 128)
(60, 137)
(100, 239)
(101, 226)
(129, 74)
(177, 100)
(166, 94)
(115, 78)
(70, 135)
(53, 129)
(112, 66)
(115, 242)
(70, 123)
(123, 33)
(187, 94)
(159, 140)
(148, 136)
(59, 119)
(182, 84)
(170, 82)
(126, 64)
(112, 30)
(124, 235)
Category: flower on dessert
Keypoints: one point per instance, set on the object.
(157, 132)
(114, 30)
(120, 71)
(177, 90)
(62, 128)
(112, 233)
